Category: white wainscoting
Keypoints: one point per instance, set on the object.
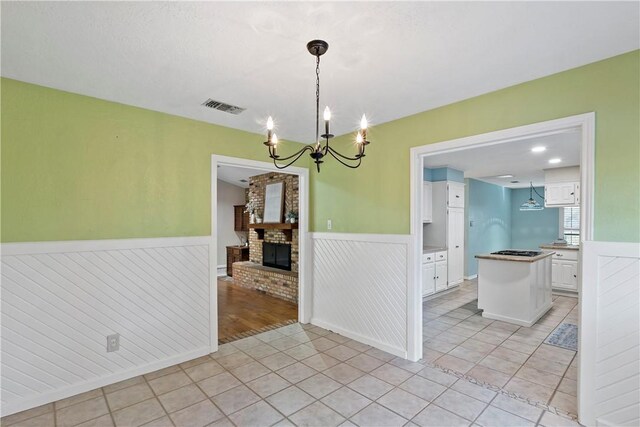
(60, 300)
(609, 369)
(360, 287)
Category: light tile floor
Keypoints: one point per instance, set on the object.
(296, 375)
(507, 357)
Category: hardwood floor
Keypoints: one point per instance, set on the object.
(241, 310)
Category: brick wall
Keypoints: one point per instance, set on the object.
(257, 185)
(277, 283)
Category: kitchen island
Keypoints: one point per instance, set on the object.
(515, 286)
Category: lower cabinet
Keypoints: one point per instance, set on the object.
(428, 278)
(564, 275)
(236, 254)
(434, 273)
(564, 270)
(441, 276)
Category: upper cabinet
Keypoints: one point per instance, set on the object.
(562, 194)
(562, 187)
(427, 202)
(455, 195)
(240, 218)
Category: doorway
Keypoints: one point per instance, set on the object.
(460, 303)
(248, 296)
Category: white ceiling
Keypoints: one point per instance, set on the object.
(513, 158)
(386, 59)
(234, 175)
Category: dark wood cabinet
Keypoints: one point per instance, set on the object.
(236, 254)
(240, 218)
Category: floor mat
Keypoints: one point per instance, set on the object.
(564, 336)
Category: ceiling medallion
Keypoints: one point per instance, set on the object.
(318, 150)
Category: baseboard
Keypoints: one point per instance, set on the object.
(515, 321)
(360, 338)
(55, 395)
(473, 276)
(221, 270)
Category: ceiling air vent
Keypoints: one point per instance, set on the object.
(227, 108)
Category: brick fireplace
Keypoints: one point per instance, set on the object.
(252, 274)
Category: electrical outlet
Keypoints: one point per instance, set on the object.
(329, 224)
(113, 343)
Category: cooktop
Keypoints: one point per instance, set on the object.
(516, 252)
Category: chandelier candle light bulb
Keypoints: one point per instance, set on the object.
(318, 48)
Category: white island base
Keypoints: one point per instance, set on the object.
(514, 290)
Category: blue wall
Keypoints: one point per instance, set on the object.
(529, 229)
(488, 221)
(494, 221)
(443, 174)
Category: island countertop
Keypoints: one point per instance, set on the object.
(516, 258)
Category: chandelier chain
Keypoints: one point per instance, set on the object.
(318, 101)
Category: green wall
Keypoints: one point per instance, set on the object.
(375, 197)
(75, 167)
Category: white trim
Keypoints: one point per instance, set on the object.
(305, 286)
(587, 342)
(55, 395)
(396, 351)
(221, 270)
(66, 246)
(370, 238)
(584, 122)
(473, 276)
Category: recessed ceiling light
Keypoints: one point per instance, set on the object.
(555, 160)
(538, 149)
(505, 176)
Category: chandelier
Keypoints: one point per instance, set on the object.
(320, 149)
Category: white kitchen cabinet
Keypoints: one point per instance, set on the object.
(427, 202)
(441, 276)
(455, 246)
(455, 195)
(428, 278)
(562, 194)
(564, 270)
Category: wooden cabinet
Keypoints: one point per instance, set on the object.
(562, 194)
(427, 202)
(236, 254)
(240, 218)
(455, 245)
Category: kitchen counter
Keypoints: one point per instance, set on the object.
(432, 249)
(515, 258)
(560, 247)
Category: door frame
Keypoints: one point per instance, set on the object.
(304, 247)
(583, 122)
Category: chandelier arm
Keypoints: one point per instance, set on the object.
(332, 150)
(344, 163)
(297, 154)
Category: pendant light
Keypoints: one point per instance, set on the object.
(532, 204)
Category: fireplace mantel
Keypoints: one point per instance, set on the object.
(286, 228)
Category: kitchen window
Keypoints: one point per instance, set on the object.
(570, 224)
